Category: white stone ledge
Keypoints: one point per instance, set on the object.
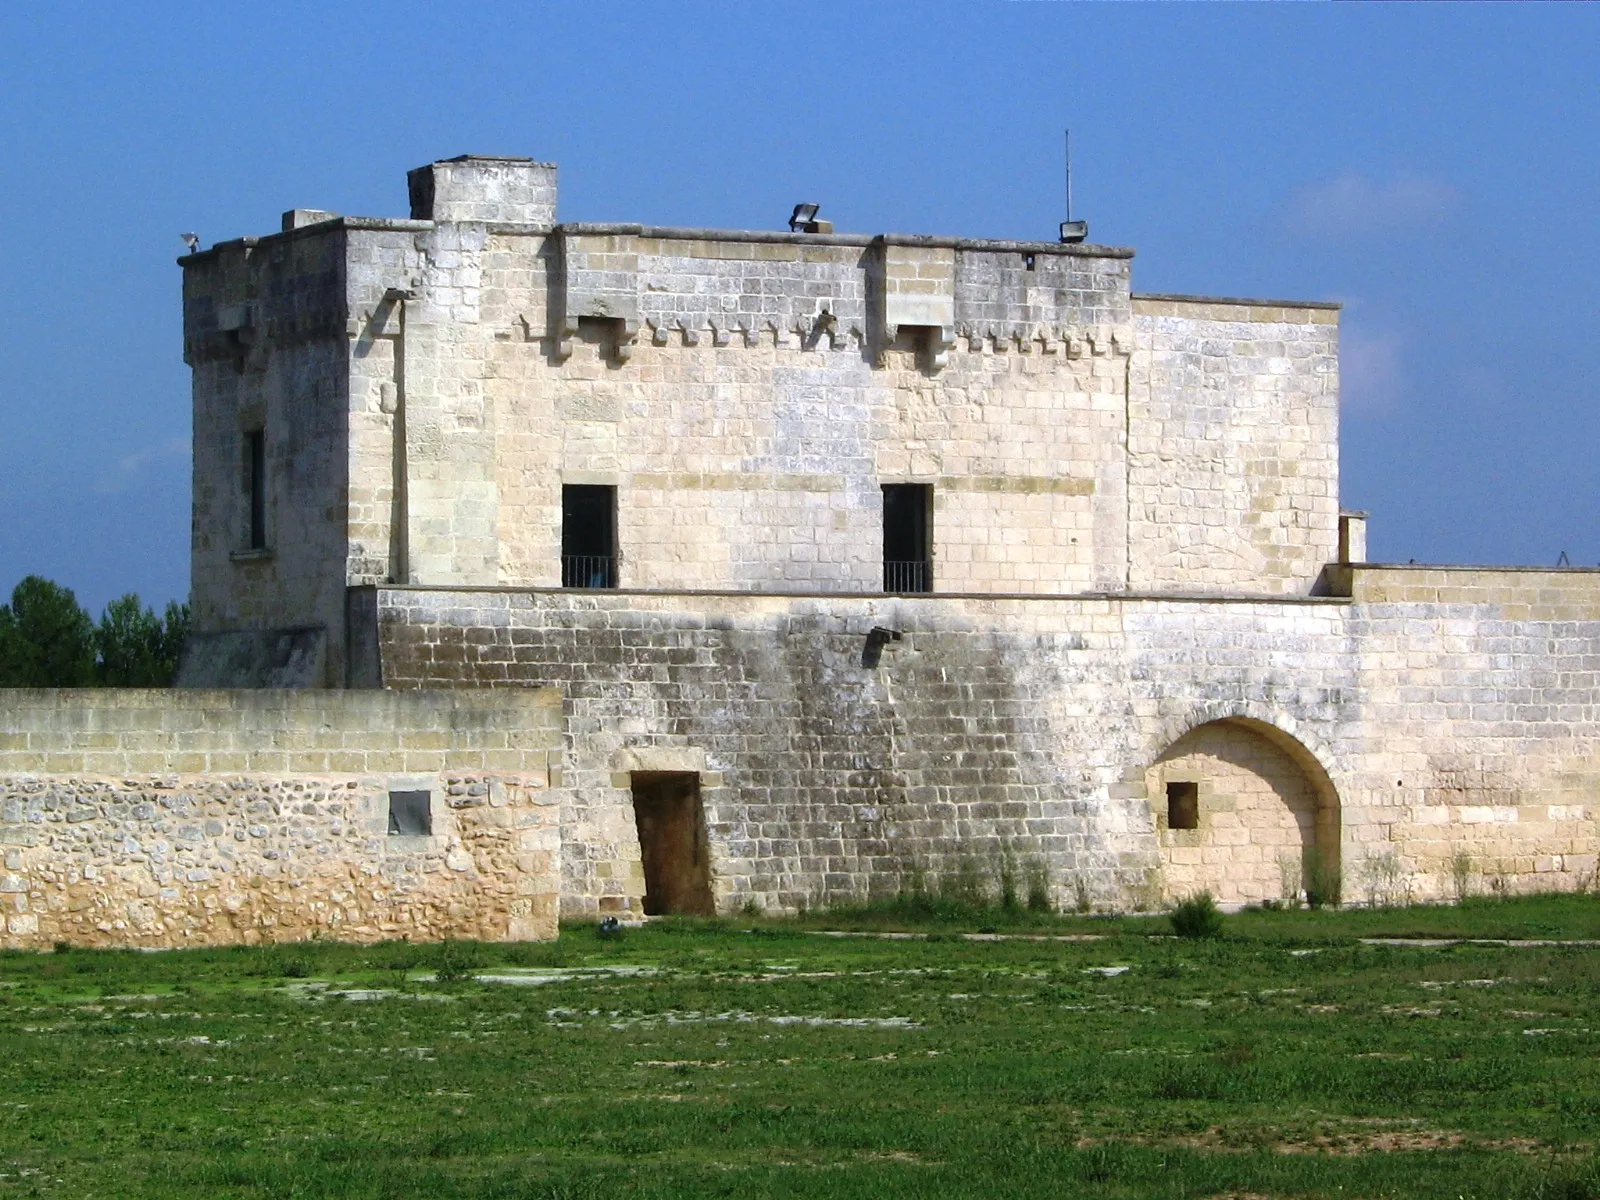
(812, 594)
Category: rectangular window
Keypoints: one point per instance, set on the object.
(588, 536)
(410, 814)
(255, 482)
(907, 537)
(1183, 805)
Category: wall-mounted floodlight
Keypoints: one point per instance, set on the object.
(1074, 231)
(804, 220)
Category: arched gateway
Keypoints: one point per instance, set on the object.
(1242, 810)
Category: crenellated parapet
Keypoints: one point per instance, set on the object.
(666, 286)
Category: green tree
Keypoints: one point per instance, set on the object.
(46, 639)
(136, 647)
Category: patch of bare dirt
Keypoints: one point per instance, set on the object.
(896, 1156)
(1332, 1141)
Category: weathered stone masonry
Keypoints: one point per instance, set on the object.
(1043, 729)
(1138, 648)
(200, 818)
(994, 728)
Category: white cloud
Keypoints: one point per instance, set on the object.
(1353, 205)
(131, 469)
(1371, 371)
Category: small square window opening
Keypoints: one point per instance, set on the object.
(1183, 805)
(409, 814)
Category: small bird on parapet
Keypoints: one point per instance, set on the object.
(191, 240)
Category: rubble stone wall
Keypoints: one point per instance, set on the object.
(161, 819)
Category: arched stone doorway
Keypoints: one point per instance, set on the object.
(1238, 807)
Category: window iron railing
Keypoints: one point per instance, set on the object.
(907, 576)
(588, 571)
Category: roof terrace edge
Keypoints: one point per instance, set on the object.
(1180, 298)
(689, 233)
(858, 240)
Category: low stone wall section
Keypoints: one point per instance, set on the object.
(179, 818)
(1478, 761)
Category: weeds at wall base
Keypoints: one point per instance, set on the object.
(1324, 884)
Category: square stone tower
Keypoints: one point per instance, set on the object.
(478, 396)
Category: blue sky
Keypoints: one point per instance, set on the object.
(1436, 168)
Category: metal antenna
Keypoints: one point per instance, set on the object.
(1067, 139)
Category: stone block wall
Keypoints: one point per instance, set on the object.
(265, 336)
(1040, 730)
(429, 385)
(1482, 697)
(166, 819)
(726, 386)
(1233, 445)
(994, 731)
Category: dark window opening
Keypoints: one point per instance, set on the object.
(672, 843)
(255, 482)
(1183, 805)
(410, 814)
(1027, 262)
(588, 536)
(907, 543)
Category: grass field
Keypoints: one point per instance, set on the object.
(754, 1058)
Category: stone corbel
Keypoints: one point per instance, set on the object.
(627, 336)
(566, 330)
(624, 325)
(938, 339)
(824, 324)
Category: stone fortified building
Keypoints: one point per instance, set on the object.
(547, 568)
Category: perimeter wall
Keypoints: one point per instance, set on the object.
(175, 818)
(1435, 714)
